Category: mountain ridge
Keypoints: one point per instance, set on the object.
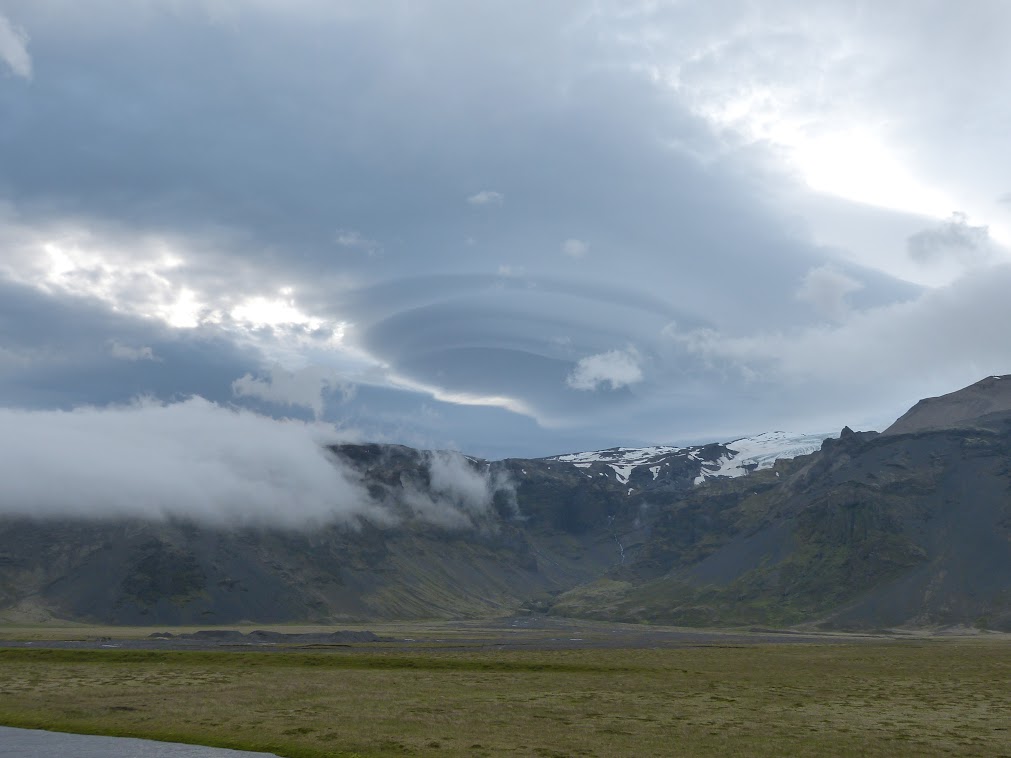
(990, 395)
(715, 460)
(908, 528)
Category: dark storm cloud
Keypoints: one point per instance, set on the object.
(469, 208)
(299, 145)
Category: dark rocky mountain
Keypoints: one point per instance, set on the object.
(970, 406)
(907, 528)
(546, 526)
(873, 531)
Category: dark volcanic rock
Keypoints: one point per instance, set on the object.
(875, 531)
(544, 532)
(909, 527)
(957, 409)
(217, 635)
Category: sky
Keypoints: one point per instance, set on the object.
(506, 228)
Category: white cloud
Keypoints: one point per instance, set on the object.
(803, 78)
(185, 281)
(952, 240)
(304, 388)
(222, 467)
(455, 477)
(143, 275)
(948, 337)
(826, 288)
(353, 240)
(486, 197)
(506, 270)
(616, 368)
(459, 493)
(575, 248)
(127, 353)
(192, 459)
(14, 48)
(871, 106)
(259, 311)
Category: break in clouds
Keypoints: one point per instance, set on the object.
(199, 461)
(472, 226)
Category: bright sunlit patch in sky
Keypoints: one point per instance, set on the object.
(79, 266)
(184, 312)
(854, 163)
(148, 283)
(857, 166)
(262, 311)
(140, 284)
(850, 157)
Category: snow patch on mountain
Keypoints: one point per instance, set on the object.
(762, 451)
(740, 456)
(620, 456)
(765, 449)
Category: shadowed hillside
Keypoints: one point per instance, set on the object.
(908, 528)
(872, 531)
(970, 406)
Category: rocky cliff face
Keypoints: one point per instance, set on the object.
(873, 531)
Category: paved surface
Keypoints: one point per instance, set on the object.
(33, 743)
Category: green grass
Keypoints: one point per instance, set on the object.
(918, 698)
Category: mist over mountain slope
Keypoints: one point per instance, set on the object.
(434, 533)
(908, 528)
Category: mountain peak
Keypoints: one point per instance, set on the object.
(957, 409)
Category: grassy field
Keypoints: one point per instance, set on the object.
(946, 697)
